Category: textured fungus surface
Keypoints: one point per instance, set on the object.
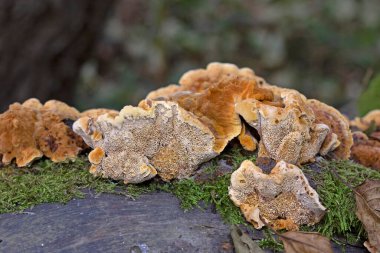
(287, 132)
(211, 95)
(366, 147)
(31, 130)
(284, 199)
(291, 127)
(161, 138)
(362, 124)
(366, 150)
(198, 80)
(215, 106)
(339, 140)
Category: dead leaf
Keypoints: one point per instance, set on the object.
(243, 243)
(367, 197)
(303, 242)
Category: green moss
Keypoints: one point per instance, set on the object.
(47, 182)
(369, 100)
(340, 219)
(193, 194)
(270, 242)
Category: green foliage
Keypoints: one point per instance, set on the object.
(370, 99)
(338, 198)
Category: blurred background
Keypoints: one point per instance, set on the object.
(96, 53)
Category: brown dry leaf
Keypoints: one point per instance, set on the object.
(367, 197)
(303, 242)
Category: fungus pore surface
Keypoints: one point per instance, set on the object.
(283, 199)
(161, 138)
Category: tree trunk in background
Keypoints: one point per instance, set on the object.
(43, 44)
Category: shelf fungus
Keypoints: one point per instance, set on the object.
(291, 127)
(371, 119)
(30, 130)
(339, 139)
(366, 148)
(160, 138)
(287, 128)
(198, 80)
(283, 199)
(204, 92)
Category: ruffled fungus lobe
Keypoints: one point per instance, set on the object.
(287, 132)
(161, 138)
(95, 113)
(339, 140)
(366, 150)
(197, 80)
(371, 118)
(31, 130)
(291, 127)
(215, 106)
(283, 198)
(246, 139)
(17, 127)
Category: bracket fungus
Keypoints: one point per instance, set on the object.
(371, 118)
(31, 130)
(283, 199)
(288, 132)
(211, 94)
(291, 127)
(366, 148)
(161, 138)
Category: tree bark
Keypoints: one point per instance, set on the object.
(43, 44)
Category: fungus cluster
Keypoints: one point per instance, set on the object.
(178, 127)
(31, 130)
(291, 127)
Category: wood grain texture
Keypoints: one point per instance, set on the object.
(112, 223)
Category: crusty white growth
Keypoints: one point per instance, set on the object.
(282, 198)
(139, 143)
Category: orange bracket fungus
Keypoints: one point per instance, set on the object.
(31, 130)
(366, 148)
(211, 94)
(291, 127)
(362, 124)
(284, 199)
(138, 143)
(289, 131)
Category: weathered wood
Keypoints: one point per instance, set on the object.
(112, 223)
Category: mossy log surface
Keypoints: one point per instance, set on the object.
(191, 215)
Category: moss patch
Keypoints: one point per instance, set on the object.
(340, 222)
(47, 182)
